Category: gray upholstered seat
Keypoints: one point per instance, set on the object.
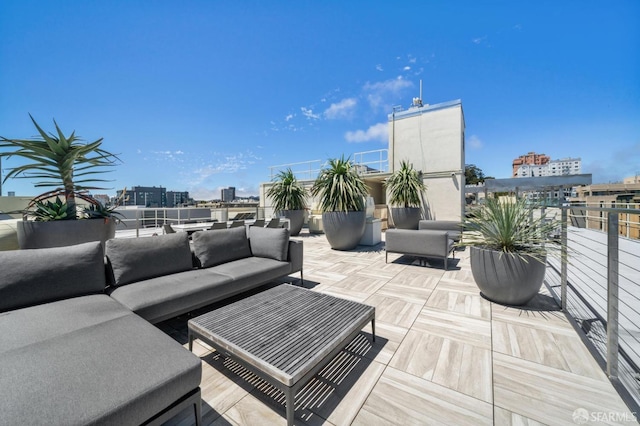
(419, 243)
(89, 360)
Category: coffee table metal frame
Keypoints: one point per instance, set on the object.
(284, 335)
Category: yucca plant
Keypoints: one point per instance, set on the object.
(510, 227)
(287, 192)
(405, 186)
(340, 187)
(59, 161)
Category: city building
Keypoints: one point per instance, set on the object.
(562, 167)
(530, 158)
(177, 198)
(145, 196)
(228, 194)
(624, 195)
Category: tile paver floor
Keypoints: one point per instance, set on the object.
(443, 354)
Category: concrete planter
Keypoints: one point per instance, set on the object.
(406, 217)
(343, 229)
(60, 233)
(506, 278)
(296, 220)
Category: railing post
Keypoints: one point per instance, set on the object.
(137, 223)
(563, 259)
(612, 295)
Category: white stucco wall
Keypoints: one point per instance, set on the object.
(432, 138)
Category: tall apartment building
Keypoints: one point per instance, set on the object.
(530, 158)
(228, 194)
(146, 196)
(562, 167)
(177, 198)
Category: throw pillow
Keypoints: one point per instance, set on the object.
(137, 259)
(272, 243)
(221, 246)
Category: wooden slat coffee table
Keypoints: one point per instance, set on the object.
(285, 334)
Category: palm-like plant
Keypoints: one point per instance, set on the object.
(405, 186)
(59, 160)
(287, 192)
(339, 187)
(509, 227)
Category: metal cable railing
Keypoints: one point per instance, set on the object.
(599, 287)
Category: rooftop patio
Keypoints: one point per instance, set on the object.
(443, 355)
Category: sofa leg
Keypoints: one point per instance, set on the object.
(301, 279)
(386, 256)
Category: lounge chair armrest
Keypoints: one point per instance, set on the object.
(295, 255)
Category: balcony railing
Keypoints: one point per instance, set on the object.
(598, 286)
(366, 162)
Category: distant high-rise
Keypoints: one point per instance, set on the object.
(228, 194)
(562, 167)
(530, 158)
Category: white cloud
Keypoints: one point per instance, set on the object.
(407, 68)
(289, 117)
(342, 109)
(412, 59)
(474, 142)
(379, 67)
(308, 112)
(377, 132)
(383, 93)
(479, 40)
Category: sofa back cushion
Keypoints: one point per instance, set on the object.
(272, 243)
(220, 246)
(35, 276)
(137, 259)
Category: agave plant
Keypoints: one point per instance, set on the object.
(59, 161)
(405, 186)
(509, 227)
(340, 187)
(287, 193)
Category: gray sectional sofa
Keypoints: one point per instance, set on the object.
(77, 344)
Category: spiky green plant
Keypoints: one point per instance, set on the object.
(405, 186)
(287, 192)
(59, 161)
(340, 187)
(510, 227)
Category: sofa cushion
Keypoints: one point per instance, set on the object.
(221, 246)
(136, 259)
(272, 243)
(89, 360)
(161, 298)
(31, 277)
(253, 271)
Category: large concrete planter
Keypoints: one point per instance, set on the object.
(506, 278)
(60, 233)
(406, 217)
(343, 229)
(296, 220)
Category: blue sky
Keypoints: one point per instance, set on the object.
(200, 95)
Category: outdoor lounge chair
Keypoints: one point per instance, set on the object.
(258, 222)
(274, 223)
(236, 224)
(218, 225)
(168, 229)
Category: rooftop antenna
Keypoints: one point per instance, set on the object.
(417, 102)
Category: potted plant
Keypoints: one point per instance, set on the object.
(508, 249)
(341, 193)
(59, 161)
(289, 199)
(405, 187)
